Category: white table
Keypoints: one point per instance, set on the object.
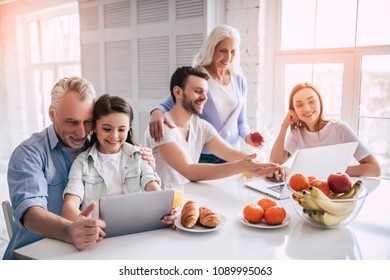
(368, 237)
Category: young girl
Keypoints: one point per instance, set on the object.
(113, 165)
(309, 129)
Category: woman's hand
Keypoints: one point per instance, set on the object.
(157, 120)
(290, 118)
(255, 139)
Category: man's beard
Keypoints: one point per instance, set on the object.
(189, 107)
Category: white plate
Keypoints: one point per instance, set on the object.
(198, 227)
(262, 224)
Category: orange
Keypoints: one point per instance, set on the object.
(253, 213)
(246, 175)
(311, 178)
(266, 203)
(299, 182)
(275, 215)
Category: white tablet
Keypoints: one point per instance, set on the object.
(132, 213)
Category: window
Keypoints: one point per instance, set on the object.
(327, 76)
(53, 52)
(374, 109)
(342, 47)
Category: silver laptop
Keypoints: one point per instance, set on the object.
(318, 161)
(132, 213)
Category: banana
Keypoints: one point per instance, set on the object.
(325, 218)
(332, 220)
(296, 196)
(311, 211)
(333, 207)
(308, 203)
(306, 192)
(333, 195)
(314, 215)
(353, 191)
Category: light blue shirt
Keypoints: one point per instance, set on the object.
(37, 176)
(235, 127)
(88, 180)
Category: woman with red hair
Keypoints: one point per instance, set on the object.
(309, 128)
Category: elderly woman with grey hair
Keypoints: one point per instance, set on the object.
(226, 106)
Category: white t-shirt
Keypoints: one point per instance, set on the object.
(112, 172)
(200, 132)
(334, 132)
(225, 98)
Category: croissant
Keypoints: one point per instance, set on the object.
(189, 214)
(208, 218)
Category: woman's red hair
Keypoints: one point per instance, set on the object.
(321, 120)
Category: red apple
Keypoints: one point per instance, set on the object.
(256, 138)
(322, 185)
(339, 182)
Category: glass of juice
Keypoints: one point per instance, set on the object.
(179, 193)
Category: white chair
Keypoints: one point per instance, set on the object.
(8, 217)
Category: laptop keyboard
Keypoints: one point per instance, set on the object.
(277, 188)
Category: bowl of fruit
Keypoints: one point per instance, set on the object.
(327, 203)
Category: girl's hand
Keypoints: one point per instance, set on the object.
(170, 218)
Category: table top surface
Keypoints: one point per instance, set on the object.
(367, 237)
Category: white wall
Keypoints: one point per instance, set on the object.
(243, 15)
(249, 18)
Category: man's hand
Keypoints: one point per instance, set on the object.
(279, 175)
(157, 119)
(147, 155)
(255, 168)
(84, 232)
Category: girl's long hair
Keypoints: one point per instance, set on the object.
(106, 105)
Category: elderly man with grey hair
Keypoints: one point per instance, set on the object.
(39, 166)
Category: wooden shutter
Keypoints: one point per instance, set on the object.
(130, 48)
(118, 68)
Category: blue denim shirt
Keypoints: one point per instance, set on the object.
(87, 177)
(37, 176)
